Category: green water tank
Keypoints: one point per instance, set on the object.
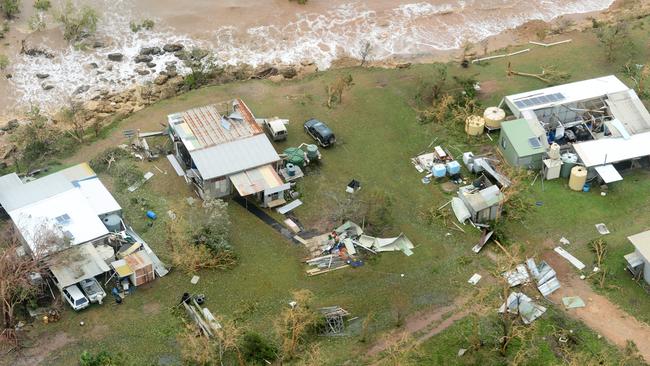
(295, 156)
(312, 152)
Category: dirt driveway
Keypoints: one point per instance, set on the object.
(600, 314)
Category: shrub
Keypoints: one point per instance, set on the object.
(257, 350)
(126, 173)
(102, 358)
(301, 2)
(43, 5)
(4, 61)
(146, 24)
(77, 23)
(10, 8)
(37, 22)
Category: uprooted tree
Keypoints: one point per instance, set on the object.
(296, 323)
(335, 90)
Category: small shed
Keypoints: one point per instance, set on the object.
(483, 204)
(638, 262)
(138, 267)
(522, 144)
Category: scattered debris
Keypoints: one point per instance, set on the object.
(461, 352)
(549, 44)
(517, 276)
(544, 275)
(334, 320)
(137, 185)
(326, 263)
(575, 261)
(564, 241)
(194, 280)
(289, 206)
(500, 56)
(353, 186)
(485, 237)
(602, 229)
(203, 318)
(460, 210)
(572, 302)
(519, 303)
(292, 226)
(474, 279)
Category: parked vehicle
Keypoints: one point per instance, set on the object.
(75, 297)
(93, 290)
(276, 128)
(320, 132)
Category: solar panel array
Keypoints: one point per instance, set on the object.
(539, 100)
(534, 143)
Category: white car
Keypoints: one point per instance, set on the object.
(93, 290)
(75, 297)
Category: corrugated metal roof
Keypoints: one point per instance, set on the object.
(613, 150)
(75, 264)
(256, 180)
(22, 195)
(234, 157)
(518, 132)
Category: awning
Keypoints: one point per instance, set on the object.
(77, 263)
(256, 180)
(608, 173)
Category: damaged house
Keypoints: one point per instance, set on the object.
(482, 199)
(71, 221)
(221, 149)
(600, 121)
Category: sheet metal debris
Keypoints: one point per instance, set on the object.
(517, 276)
(474, 279)
(602, 229)
(564, 241)
(544, 276)
(485, 237)
(289, 206)
(572, 302)
(138, 184)
(519, 303)
(573, 260)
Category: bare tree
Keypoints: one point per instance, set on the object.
(364, 53)
(294, 323)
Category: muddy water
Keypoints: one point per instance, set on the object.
(260, 31)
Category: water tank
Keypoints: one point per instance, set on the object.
(569, 160)
(453, 167)
(291, 169)
(113, 223)
(295, 156)
(554, 151)
(578, 178)
(439, 170)
(474, 125)
(312, 152)
(493, 117)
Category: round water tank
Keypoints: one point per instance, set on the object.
(494, 116)
(312, 152)
(291, 169)
(578, 178)
(113, 222)
(554, 151)
(474, 125)
(569, 160)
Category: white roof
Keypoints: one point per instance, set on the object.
(571, 93)
(641, 242)
(66, 214)
(613, 150)
(99, 198)
(234, 157)
(627, 108)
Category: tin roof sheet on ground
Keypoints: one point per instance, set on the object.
(234, 157)
(76, 264)
(608, 173)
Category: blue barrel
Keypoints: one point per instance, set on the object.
(152, 215)
(453, 167)
(439, 170)
(586, 187)
(291, 169)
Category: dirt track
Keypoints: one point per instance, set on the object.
(600, 314)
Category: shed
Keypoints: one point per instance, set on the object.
(639, 260)
(141, 268)
(521, 145)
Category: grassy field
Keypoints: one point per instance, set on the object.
(378, 133)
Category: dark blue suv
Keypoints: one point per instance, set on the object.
(320, 132)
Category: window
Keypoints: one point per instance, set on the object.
(504, 143)
(63, 219)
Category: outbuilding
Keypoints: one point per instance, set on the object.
(638, 262)
(522, 143)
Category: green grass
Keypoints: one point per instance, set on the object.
(378, 133)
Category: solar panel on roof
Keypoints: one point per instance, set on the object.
(520, 104)
(534, 143)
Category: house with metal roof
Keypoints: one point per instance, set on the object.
(220, 149)
(71, 221)
(602, 120)
(522, 143)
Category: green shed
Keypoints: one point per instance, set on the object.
(521, 144)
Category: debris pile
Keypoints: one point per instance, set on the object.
(334, 320)
(519, 303)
